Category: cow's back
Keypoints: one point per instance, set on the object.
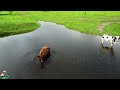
(46, 51)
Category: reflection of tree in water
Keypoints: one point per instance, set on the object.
(107, 50)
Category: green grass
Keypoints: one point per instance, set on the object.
(11, 24)
(113, 29)
(26, 21)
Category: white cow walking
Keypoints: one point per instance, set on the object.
(111, 39)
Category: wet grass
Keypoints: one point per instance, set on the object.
(26, 21)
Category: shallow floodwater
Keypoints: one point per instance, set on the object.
(74, 55)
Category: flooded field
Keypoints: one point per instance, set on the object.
(74, 55)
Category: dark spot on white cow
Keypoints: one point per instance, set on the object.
(107, 37)
(103, 37)
(114, 39)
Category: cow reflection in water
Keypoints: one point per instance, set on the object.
(107, 50)
(43, 55)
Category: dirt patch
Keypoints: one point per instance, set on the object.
(101, 27)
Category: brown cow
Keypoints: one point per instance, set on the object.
(44, 53)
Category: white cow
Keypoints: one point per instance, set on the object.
(111, 39)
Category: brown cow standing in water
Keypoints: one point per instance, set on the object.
(44, 53)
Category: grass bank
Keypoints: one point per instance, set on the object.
(26, 21)
(11, 24)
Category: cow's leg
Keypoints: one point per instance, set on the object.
(42, 65)
(41, 61)
(102, 45)
(111, 45)
(102, 40)
(114, 42)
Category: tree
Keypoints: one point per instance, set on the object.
(85, 12)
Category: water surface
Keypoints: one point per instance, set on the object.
(74, 55)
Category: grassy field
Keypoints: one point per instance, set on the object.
(26, 21)
(113, 29)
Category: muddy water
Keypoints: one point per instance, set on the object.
(74, 55)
